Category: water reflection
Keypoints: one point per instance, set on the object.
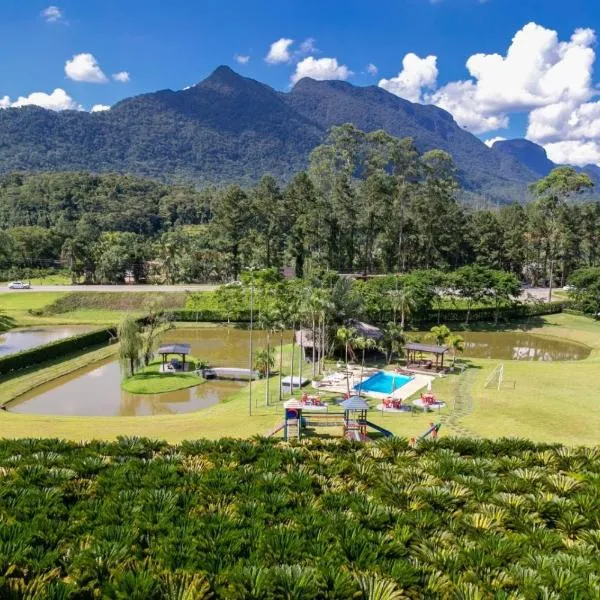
(17, 340)
(521, 346)
(96, 390)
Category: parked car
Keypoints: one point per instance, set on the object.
(569, 288)
(18, 285)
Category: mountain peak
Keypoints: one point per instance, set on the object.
(530, 154)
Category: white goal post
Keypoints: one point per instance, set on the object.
(496, 377)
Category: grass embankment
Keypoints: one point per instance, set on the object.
(150, 381)
(70, 308)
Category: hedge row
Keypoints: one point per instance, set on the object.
(446, 315)
(53, 350)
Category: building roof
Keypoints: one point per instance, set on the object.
(355, 403)
(366, 330)
(431, 348)
(174, 349)
(304, 338)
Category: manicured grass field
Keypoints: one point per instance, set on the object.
(553, 402)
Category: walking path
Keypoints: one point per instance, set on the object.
(463, 405)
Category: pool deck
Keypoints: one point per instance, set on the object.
(417, 383)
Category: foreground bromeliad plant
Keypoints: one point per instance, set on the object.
(260, 519)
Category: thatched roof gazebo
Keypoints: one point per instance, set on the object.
(366, 330)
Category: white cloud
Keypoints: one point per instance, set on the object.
(459, 98)
(574, 152)
(489, 143)
(121, 77)
(538, 70)
(84, 67)
(52, 14)
(372, 69)
(100, 108)
(320, 69)
(243, 59)
(307, 47)
(279, 52)
(57, 100)
(417, 73)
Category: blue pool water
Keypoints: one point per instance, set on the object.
(383, 383)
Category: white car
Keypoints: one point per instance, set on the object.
(18, 285)
(569, 288)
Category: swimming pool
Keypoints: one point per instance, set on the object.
(383, 383)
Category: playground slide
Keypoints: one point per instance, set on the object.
(356, 436)
(276, 429)
(385, 432)
(435, 427)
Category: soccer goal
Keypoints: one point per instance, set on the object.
(496, 377)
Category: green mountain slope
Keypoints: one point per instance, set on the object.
(230, 128)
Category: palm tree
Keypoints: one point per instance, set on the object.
(346, 335)
(264, 361)
(267, 322)
(457, 344)
(441, 334)
(402, 300)
(131, 343)
(293, 314)
(280, 324)
(393, 341)
(363, 343)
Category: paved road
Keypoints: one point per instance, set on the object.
(116, 288)
(527, 294)
(541, 294)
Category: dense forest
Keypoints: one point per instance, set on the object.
(368, 203)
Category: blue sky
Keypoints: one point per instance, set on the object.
(162, 44)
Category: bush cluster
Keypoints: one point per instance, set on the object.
(456, 518)
(56, 349)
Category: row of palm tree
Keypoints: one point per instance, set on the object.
(455, 518)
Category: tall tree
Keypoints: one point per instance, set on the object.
(231, 224)
(552, 192)
(130, 343)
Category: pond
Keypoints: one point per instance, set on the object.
(96, 390)
(510, 345)
(17, 340)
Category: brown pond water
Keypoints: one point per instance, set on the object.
(510, 345)
(96, 390)
(17, 340)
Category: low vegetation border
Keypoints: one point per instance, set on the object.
(444, 315)
(60, 348)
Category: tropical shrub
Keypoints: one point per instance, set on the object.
(456, 518)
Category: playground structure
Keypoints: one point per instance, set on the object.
(433, 431)
(353, 420)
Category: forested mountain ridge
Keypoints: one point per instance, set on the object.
(534, 157)
(229, 128)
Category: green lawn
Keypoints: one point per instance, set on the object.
(556, 402)
(150, 381)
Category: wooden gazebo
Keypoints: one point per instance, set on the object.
(414, 348)
(165, 351)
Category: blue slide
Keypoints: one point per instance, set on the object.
(385, 432)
